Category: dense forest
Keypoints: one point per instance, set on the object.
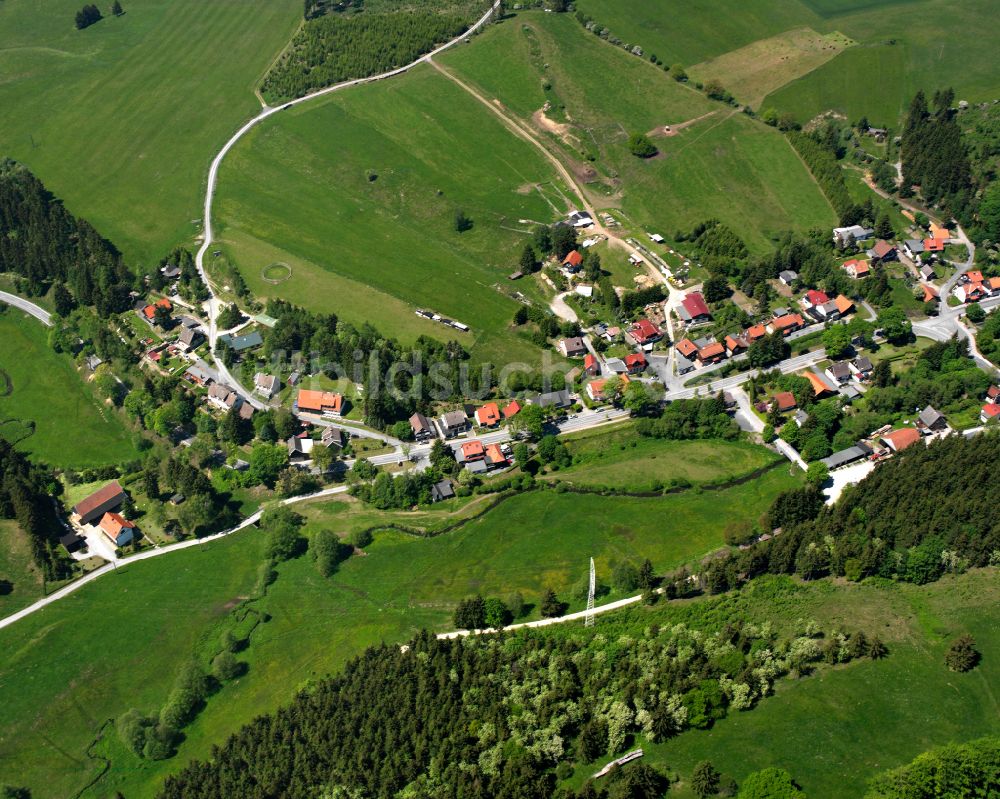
(933, 153)
(26, 495)
(335, 48)
(44, 243)
(917, 516)
(822, 162)
(968, 770)
(501, 716)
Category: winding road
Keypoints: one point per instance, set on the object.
(28, 307)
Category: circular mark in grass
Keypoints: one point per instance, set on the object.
(276, 273)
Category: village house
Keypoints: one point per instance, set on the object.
(72, 542)
(712, 352)
(615, 366)
(495, 458)
(239, 344)
(422, 427)
(300, 449)
(813, 298)
(844, 237)
(856, 268)
(686, 348)
(861, 367)
(973, 291)
(324, 403)
(453, 423)
(333, 437)
(755, 333)
(223, 397)
(572, 347)
(940, 232)
(931, 421)
(786, 324)
(93, 507)
(442, 491)
(735, 345)
(148, 312)
(580, 219)
(473, 451)
(684, 365)
(590, 365)
(882, 251)
(635, 364)
(914, 249)
(993, 395)
(819, 386)
(927, 272)
(572, 261)
(693, 309)
(989, 412)
(190, 338)
(199, 374)
(643, 333)
(930, 293)
(786, 401)
(266, 385)
(787, 277)
(839, 373)
(551, 399)
(933, 246)
(513, 409)
(119, 530)
(488, 415)
(845, 457)
(170, 271)
(898, 440)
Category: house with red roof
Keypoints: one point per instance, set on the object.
(973, 291)
(786, 324)
(473, 451)
(988, 412)
(686, 347)
(590, 365)
(755, 333)
(819, 386)
(735, 344)
(786, 401)
(898, 440)
(572, 261)
(488, 415)
(882, 251)
(636, 363)
(693, 309)
(512, 409)
(814, 298)
(644, 333)
(712, 353)
(324, 403)
(934, 245)
(117, 528)
(856, 268)
(495, 457)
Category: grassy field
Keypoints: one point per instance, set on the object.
(72, 427)
(359, 194)
(22, 581)
(402, 584)
(620, 458)
(121, 119)
(835, 730)
(905, 45)
(598, 95)
(754, 71)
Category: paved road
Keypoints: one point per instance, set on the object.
(27, 306)
(796, 364)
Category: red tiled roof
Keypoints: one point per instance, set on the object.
(495, 454)
(686, 347)
(902, 438)
(512, 409)
(644, 330)
(882, 248)
(816, 297)
(991, 410)
(694, 304)
(786, 400)
(634, 360)
(713, 350)
(819, 385)
(933, 245)
(472, 449)
(98, 498)
(114, 523)
(930, 293)
(319, 401)
(856, 265)
(975, 277)
(993, 392)
(844, 304)
(788, 321)
(755, 332)
(589, 361)
(488, 415)
(573, 258)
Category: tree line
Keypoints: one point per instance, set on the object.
(500, 716)
(916, 517)
(44, 243)
(969, 769)
(333, 48)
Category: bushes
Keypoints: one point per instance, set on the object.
(327, 552)
(641, 146)
(962, 655)
(957, 770)
(335, 48)
(825, 168)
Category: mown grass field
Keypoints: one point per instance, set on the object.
(128, 632)
(717, 164)
(21, 581)
(620, 458)
(121, 119)
(835, 730)
(358, 195)
(72, 428)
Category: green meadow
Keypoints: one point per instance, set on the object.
(20, 581)
(128, 632)
(358, 194)
(716, 162)
(72, 427)
(121, 119)
(619, 458)
(836, 729)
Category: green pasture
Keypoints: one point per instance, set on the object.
(129, 631)
(122, 119)
(838, 728)
(20, 581)
(72, 427)
(358, 194)
(620, 458)
(717, 163)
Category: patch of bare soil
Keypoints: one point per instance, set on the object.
(560, 129)
(664, 131)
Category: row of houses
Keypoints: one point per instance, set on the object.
(973, 287)
(886, 441)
